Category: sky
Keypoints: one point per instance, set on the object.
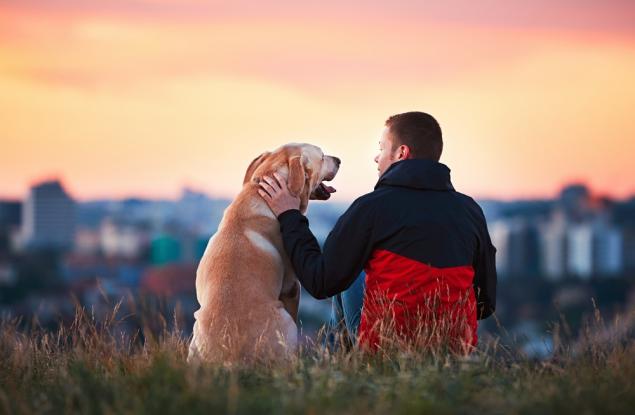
(143, 97)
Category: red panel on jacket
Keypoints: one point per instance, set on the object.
(427, 305)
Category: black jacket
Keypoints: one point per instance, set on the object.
(414, 213)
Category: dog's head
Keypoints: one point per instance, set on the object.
(304, 165)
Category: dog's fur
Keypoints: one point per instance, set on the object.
(245, 284)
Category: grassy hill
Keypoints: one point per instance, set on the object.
(90, 367)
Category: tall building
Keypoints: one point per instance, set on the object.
(48, 217)
(623, 217)
(165, 249)
(10, 213)
(575, 201)
(524, 257)
(499, 231)
(580, 250)
(517, 247)
(122, 239)
(9, 223)
(595, 249)
(628, 250)
(608, 242)
(554, 247)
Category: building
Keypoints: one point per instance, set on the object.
(580, 250)
(10, 213)
(576, 203)
(499, 231)
(623, 217)
(165, 249)
(122, 239)
(608, 253)
(517, 247)
(553, 247)
(48, 217)
(10, 218)
(170, 280)
(594, 249)
(197, 213)
(87, 241)
(628, 250)
(121, 272)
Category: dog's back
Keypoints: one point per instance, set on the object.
(245, 284)
(238, 284)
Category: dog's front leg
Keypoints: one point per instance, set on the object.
(290, 296)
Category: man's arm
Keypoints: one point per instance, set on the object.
(346, 249)
(485, 278)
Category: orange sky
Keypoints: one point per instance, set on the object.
(142, 97)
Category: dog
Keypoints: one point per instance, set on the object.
(245, 284)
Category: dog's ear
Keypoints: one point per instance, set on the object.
(254, 165)
(297, 176)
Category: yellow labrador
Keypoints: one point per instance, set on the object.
(245, 284)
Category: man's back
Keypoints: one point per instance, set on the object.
(424, 218)
(414, 235)
(429, 243)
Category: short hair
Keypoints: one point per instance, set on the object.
(419, 131)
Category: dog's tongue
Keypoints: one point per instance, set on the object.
(328, 189)
(323, 192)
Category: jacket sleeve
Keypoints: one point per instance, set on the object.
(485, 278)
(346, 250)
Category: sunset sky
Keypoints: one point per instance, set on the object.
(142, 97)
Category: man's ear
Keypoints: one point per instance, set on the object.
(404, 152)
(297, 176)
(254, 165)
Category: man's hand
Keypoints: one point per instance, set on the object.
(276, 194)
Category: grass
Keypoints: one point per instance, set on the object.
(89, 367)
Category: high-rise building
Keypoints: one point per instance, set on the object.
(121, 239)
(575, 202)
(628, 250)
(580, 250)
(595, 249)
(517, 247)
(10, 213)
(499, 231)
(554, 247)
(608, 251)
(9, 223)
(48, 217)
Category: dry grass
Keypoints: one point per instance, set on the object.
(89, 367)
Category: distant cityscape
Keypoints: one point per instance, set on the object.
(113, 247)
(577, 235)
(53, 247)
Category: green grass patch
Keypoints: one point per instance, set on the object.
(89, 367)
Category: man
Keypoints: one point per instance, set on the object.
(425, 248)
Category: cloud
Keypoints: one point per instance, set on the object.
(609, 16)
(135, 100)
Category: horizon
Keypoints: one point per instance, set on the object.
(144, 97)
(594, 193)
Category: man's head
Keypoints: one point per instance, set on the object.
(411, 135)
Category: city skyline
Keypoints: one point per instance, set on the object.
(576, 235)
(184, 188)
(142, 98)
